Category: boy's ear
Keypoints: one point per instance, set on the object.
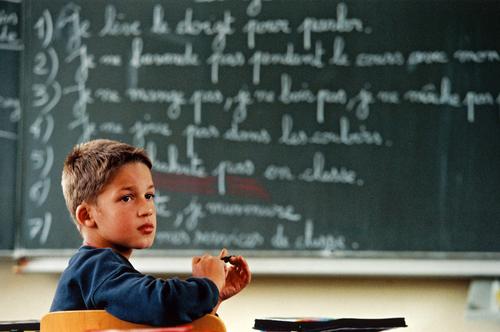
(84, 215)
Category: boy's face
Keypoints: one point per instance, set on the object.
(125, 214)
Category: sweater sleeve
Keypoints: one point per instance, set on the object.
(130, 295)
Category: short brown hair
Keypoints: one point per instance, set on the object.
(89, 166)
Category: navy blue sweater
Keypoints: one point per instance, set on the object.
(103, 279)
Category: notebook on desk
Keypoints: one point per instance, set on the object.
(313, 324)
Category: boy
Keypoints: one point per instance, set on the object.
(109, 192)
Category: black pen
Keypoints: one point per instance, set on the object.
(227, 258)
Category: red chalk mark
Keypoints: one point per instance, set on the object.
(239, 186)
(185, 184)
(235, 185)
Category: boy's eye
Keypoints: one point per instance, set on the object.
(126, 198)
(150, 196)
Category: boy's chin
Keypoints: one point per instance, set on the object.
(144, 245)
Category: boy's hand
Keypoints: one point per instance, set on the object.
(238, 276)
(210, 267)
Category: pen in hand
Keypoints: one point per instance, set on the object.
(226, 258)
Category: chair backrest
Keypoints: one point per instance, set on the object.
(85, 320)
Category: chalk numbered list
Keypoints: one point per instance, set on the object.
(302, 126)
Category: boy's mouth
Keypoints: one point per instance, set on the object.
(147, 228)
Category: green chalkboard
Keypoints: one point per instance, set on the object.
(356, 128)
(10, 112)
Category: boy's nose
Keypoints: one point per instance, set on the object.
(146, 209)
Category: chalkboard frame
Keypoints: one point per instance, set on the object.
(377, 256)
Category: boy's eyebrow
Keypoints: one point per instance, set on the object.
(131, 188)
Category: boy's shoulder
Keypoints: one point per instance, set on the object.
(87, 270)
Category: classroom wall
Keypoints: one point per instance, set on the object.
(429, 305)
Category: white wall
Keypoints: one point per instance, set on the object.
(429, 305)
